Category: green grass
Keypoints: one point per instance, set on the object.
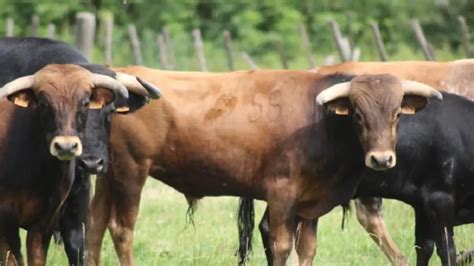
(162, 237)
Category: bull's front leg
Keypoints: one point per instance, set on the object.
(306, 234)
(281, 198)
(72, 222)
(424, 243)
(369, 215)
(264, 228)
(10, 243)
(37, 243)
(439, 209)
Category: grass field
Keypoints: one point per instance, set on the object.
(162, 237)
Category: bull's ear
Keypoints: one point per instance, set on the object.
(340, 106)
(413, 103)
(100, 97)
(24, 98)
(133, 103)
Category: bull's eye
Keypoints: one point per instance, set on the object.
(357, 117)
(44, 104)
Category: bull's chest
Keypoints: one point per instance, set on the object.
(321, 196)
(25, 204)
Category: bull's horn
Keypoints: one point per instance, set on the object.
(417, 88)
(138, 86)
(107, 82)
(17, 85)
(334, 92)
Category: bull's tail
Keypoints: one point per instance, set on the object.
(246, 223)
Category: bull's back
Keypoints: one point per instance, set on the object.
(14, 62)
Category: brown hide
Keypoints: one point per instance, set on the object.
(453, 76)
(210, 132)
(217, 134)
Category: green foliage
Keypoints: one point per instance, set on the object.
(255, 26)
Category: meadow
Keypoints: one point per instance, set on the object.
(163, 236)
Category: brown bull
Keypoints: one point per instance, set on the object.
(454, 76)
(257, 134)
(43, 118)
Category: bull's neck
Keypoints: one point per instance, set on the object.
(339, 145)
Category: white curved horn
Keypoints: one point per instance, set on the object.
(138, 86)
(417, 88)
(107, 82)
(336, 91)
(16, 85)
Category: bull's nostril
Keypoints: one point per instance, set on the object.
(57, 146)
(374, 160)
(74, 145)
(100, 162)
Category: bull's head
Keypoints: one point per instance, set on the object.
(375, 103)
(64, 95)
(95, 157)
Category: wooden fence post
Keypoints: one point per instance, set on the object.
(35, 22)
(342, 43)
(307, 45)
(10, 27)
(51, 31)
(85, 32)
(163, 51)
(109, 27)
(379, 41)
(281, 53)
(466, 36)
(229, 49)
(135, 42)
(199, 50)
(172, 65)
(246, 57)
(420, 37)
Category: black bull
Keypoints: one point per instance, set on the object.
(28, 166)
(435, 152)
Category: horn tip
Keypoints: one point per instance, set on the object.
(320, 100)
(155, 93)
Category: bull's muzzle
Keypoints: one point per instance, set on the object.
(66, 148)
(380, 160)
(91, 165)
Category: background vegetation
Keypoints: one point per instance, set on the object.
(254, 25)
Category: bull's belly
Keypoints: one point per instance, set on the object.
(201, 185)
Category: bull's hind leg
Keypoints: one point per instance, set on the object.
(306, 240)
(369, 215)
(125, 190)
